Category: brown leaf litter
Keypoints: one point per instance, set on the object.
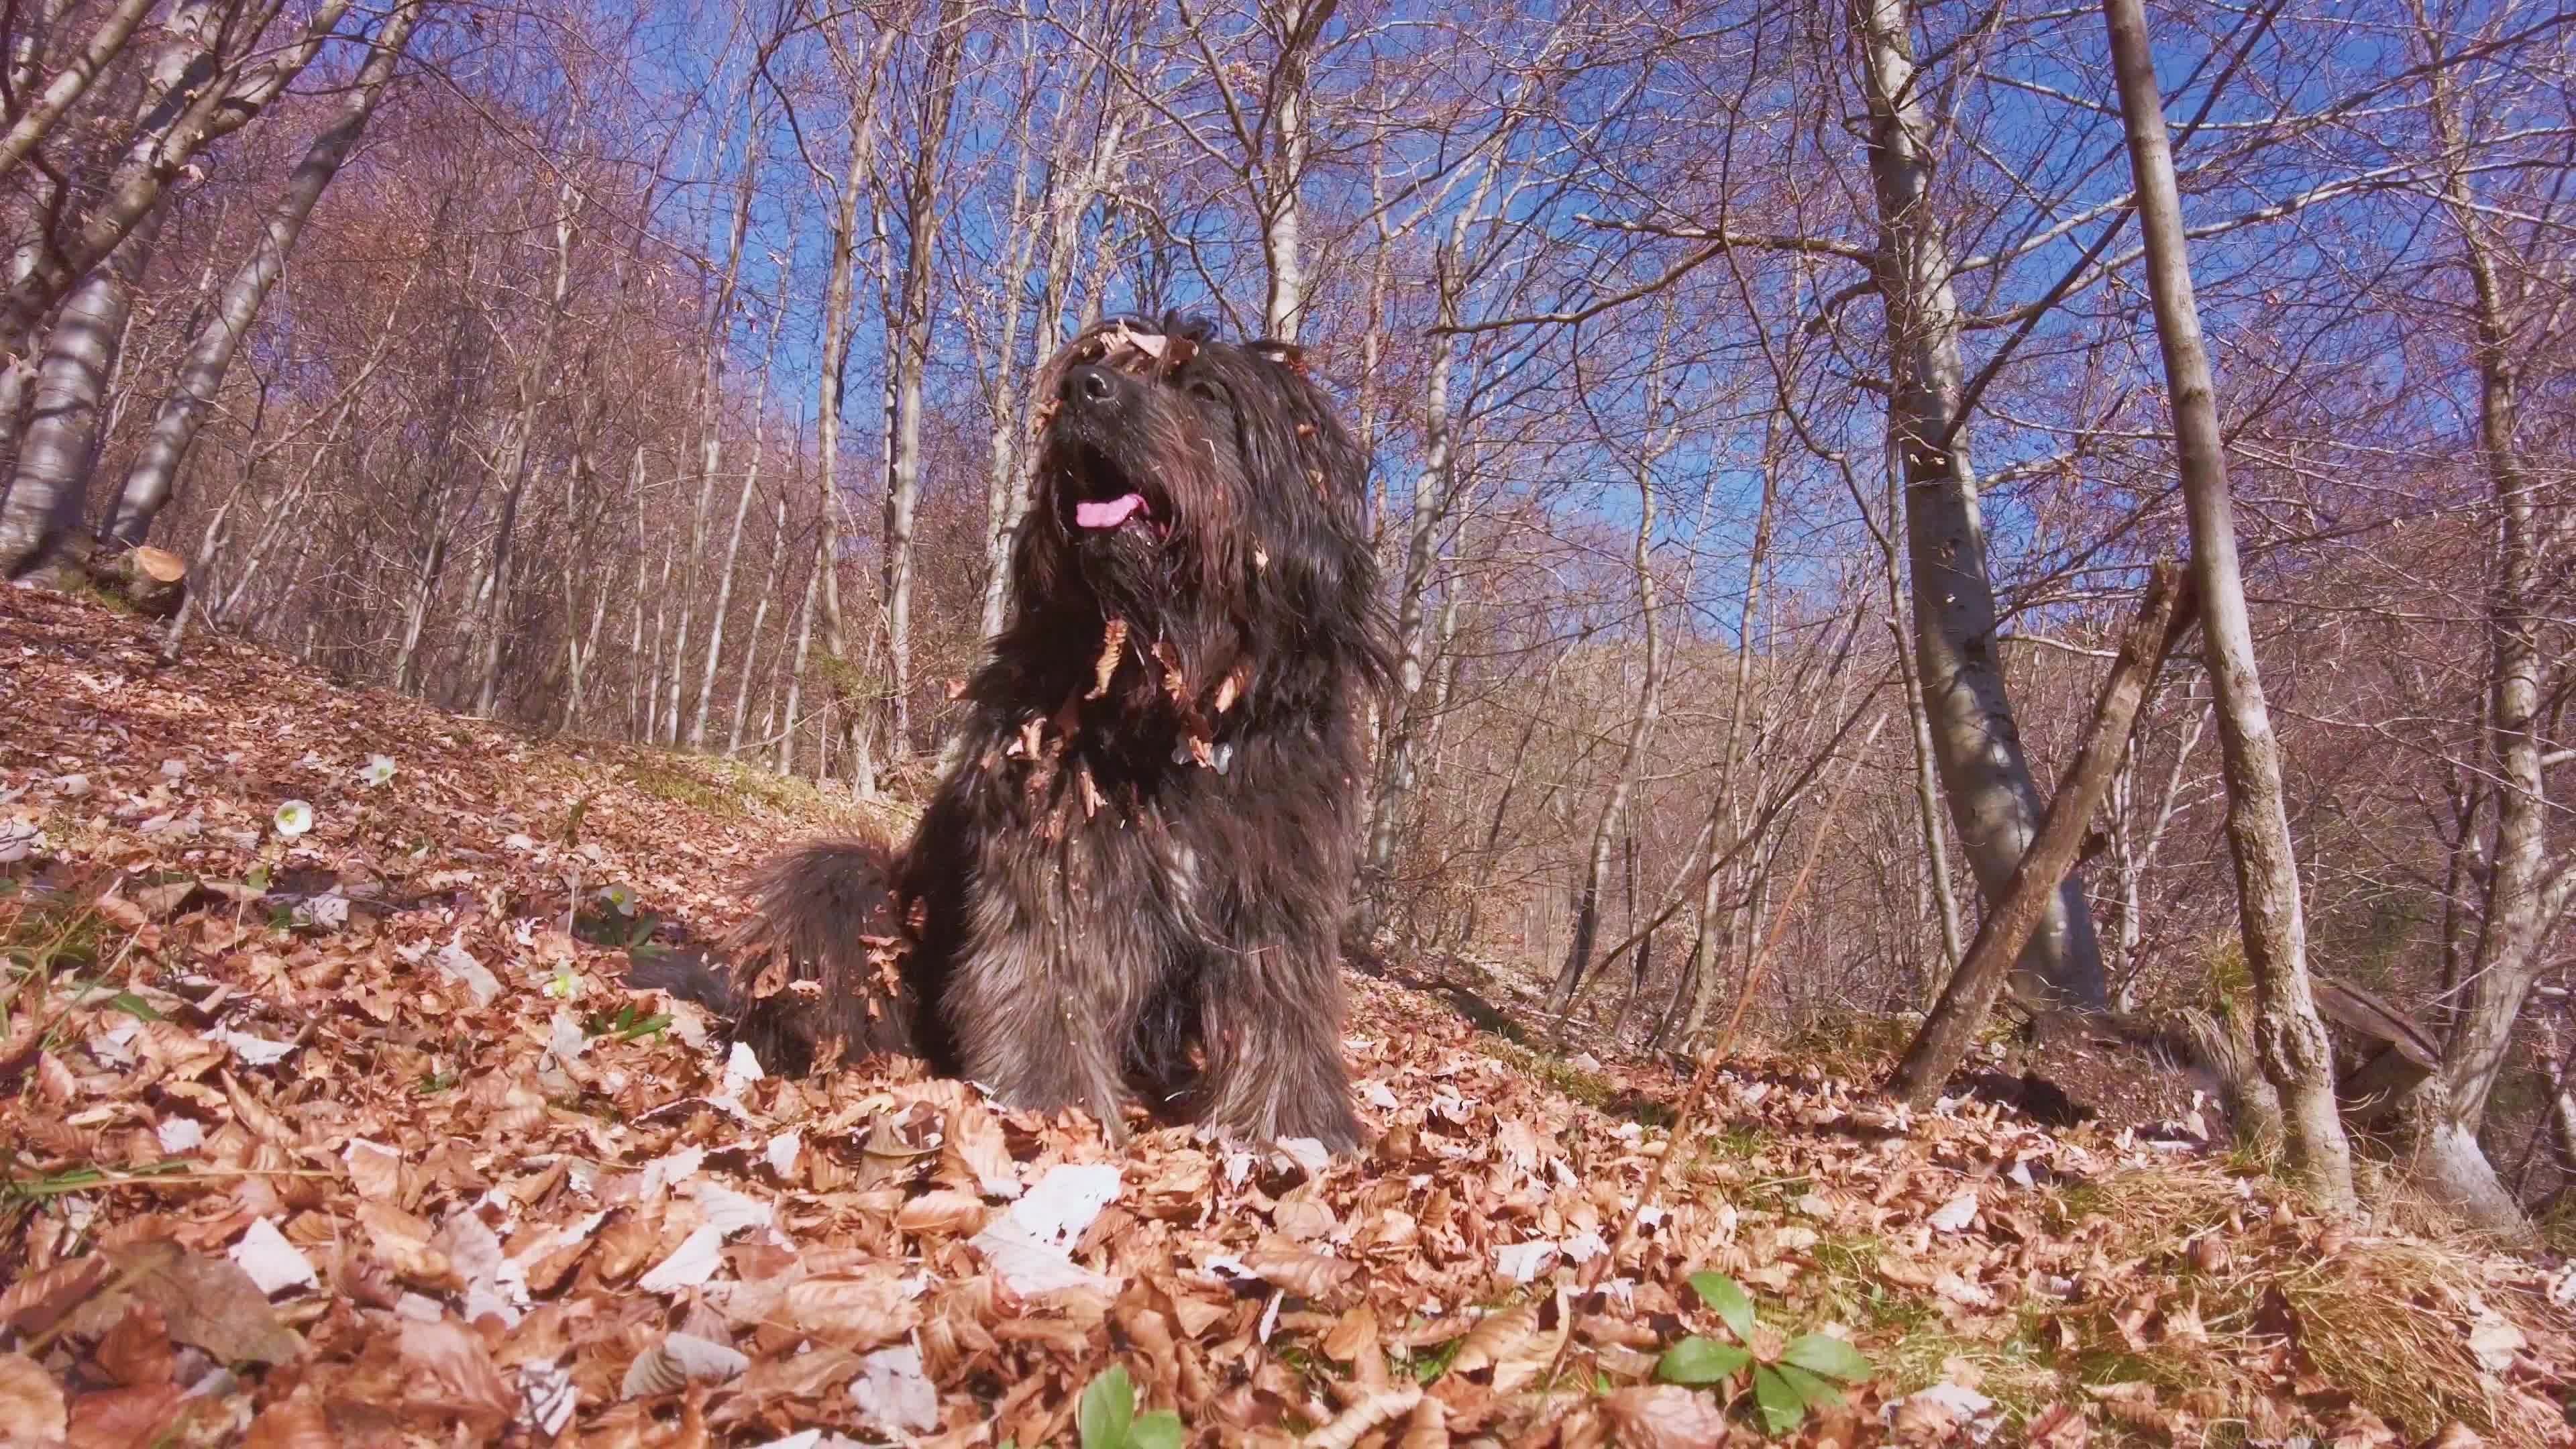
(359, 1134)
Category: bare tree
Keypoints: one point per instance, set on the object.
(210, 75)
(2527, 891)
(911, 349)
(2290, 1039)
(1650, 692)
(859, 72)
(1993, 801)
(155, 473)
(107, 37)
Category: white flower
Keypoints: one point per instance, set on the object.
(622, 897)
(293, 818)
(380, 768)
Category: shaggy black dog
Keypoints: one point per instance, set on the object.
(1130, 881)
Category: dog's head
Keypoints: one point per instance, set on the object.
(1204, 494)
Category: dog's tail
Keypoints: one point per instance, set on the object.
(818, 972)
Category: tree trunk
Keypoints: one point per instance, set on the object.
(912, 361)
(1711, 939)
(2440, 1122)
(1435, 490)
(1006, 492)
(1287, 140)
(1994, 805)
(796, 669)
(862, 80)
(192, 97)
(40, 522)
(1004, 489)
(759, 616)
(1927, 770)
(1947, 1031)
(153, 580)
(2288, 1034)
(150, 482)
(733, 541)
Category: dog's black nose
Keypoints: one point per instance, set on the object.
(1086, 385)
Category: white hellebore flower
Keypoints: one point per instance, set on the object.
(293, 818)
(380, 768)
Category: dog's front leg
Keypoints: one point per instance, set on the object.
(1042, 1037)
(1274, 1045)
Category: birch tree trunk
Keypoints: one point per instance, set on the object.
(151, 481)
(862, 79)
(912, 361)
(2289, 1037)
(1994, 804)
(2439, 1120)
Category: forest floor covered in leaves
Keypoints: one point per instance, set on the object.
(332, 1116)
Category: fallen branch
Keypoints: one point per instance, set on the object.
(2164, 615)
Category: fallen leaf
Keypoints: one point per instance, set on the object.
(1665, 1416)
(892, 1394)
(31, 1403)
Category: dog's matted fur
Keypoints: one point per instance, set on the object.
(1130, 882)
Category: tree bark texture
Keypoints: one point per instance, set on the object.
(2288, 1034)
(1942, 1044)
(192, 96)
(48, 491)
(1985, 775)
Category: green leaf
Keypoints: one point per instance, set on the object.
(133, 1005)
(1160, 1429)
(1827, 1357)
(1783, 1407)
(1107, 1410)
(1818, 1393)
(1730, 1300)
(646, 1027)
(1697, 1360)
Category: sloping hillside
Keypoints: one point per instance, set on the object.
(333, 1116)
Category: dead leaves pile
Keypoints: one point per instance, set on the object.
(343, 1138)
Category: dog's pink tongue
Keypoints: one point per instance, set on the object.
(1108, 513)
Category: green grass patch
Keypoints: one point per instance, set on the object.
(671, 780)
